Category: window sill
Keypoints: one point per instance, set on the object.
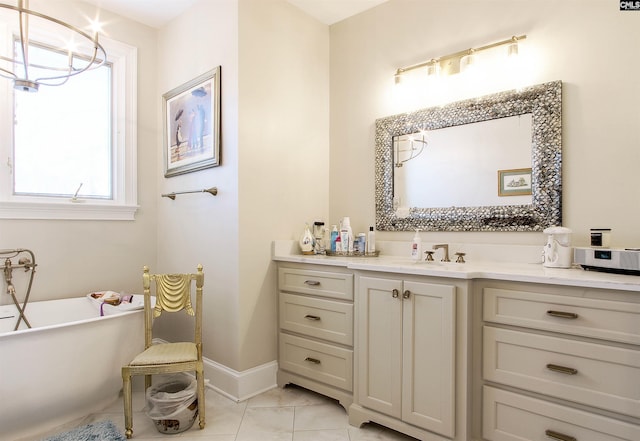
(82, 210)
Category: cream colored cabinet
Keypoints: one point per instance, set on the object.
(315, 316)
(560, 363)
(405, 355)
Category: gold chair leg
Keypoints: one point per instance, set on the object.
(147, 382)
(126, 392)
(201, 402)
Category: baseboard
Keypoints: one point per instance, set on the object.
(240, 386)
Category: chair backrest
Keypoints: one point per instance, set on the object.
(173, 294)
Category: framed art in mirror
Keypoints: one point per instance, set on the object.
(191, 120)
(514, 182)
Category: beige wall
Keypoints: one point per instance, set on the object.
(200, 228)
(274, 169)
(283, 165)
(77, 257)
(588, 44)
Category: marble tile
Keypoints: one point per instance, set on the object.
(288, 396)
(321, 435)
(280, 414)
(263, 420)
(320, 417)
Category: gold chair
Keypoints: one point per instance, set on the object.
(173, 294)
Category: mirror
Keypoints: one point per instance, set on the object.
(462, 161)
(486, 164)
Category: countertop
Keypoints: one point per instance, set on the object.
(477, 269)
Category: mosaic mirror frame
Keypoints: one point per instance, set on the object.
(543, 101)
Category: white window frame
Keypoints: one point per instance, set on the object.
(123, 205)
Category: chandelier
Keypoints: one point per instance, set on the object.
(27, 75)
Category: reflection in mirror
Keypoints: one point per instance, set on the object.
(460, 163)
(438, 169)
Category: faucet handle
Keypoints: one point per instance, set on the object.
(460, 258)
(429, 257)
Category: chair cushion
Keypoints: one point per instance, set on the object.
(165, 353)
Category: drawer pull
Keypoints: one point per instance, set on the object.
(395, 293)
(562, 369)
(312, 282)
(312, 317)
(312, 360)
(406, 294)
(559, 436)
(562, 314)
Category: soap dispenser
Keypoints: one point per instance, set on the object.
(416, 246)
(306, 241)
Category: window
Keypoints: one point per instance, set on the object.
(76, 141)
(73, 149)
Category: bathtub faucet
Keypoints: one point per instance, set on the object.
(29, 264)
(8, 274)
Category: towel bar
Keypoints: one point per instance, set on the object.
(212, 191)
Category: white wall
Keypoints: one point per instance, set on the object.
(77, 257)
(588, 44)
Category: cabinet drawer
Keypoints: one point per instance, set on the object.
(605, 319)
(509, 416)
(327, 319)
(319, 361)
(592, 374)
(321, 283)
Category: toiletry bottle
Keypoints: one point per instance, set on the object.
(371, 241)
(306, 241)
(361, 240)
(334, 236)
(338, 243)
(416, 246)
(346, 234)
(318, 235)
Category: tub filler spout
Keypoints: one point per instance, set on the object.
(29, 264)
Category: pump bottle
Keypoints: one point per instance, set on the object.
(416, 246)
(371, 241)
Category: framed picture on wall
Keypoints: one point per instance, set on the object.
(515, 182)
(191, 116)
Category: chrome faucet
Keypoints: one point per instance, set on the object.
(446, 251)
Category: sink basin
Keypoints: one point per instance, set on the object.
(435, 264)
(439, 263)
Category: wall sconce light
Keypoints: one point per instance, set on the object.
(468, 61)
(459, 61)
(433, 68)
(512, 49)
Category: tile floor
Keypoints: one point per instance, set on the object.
(289, 414)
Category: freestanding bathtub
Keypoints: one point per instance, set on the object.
(66, 366)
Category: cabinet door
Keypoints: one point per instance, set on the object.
(380, 345)
(428, 356)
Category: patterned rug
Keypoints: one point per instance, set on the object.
(98, 431)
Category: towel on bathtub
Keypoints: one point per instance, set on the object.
(111, 302)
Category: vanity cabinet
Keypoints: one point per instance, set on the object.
(406, 364)
(559, 363)
(315, 316)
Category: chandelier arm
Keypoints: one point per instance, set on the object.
(24, 42)
(10, 76)
(23, 14)
(73, 72)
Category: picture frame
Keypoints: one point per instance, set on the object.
(191, 124)
(514, 182)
